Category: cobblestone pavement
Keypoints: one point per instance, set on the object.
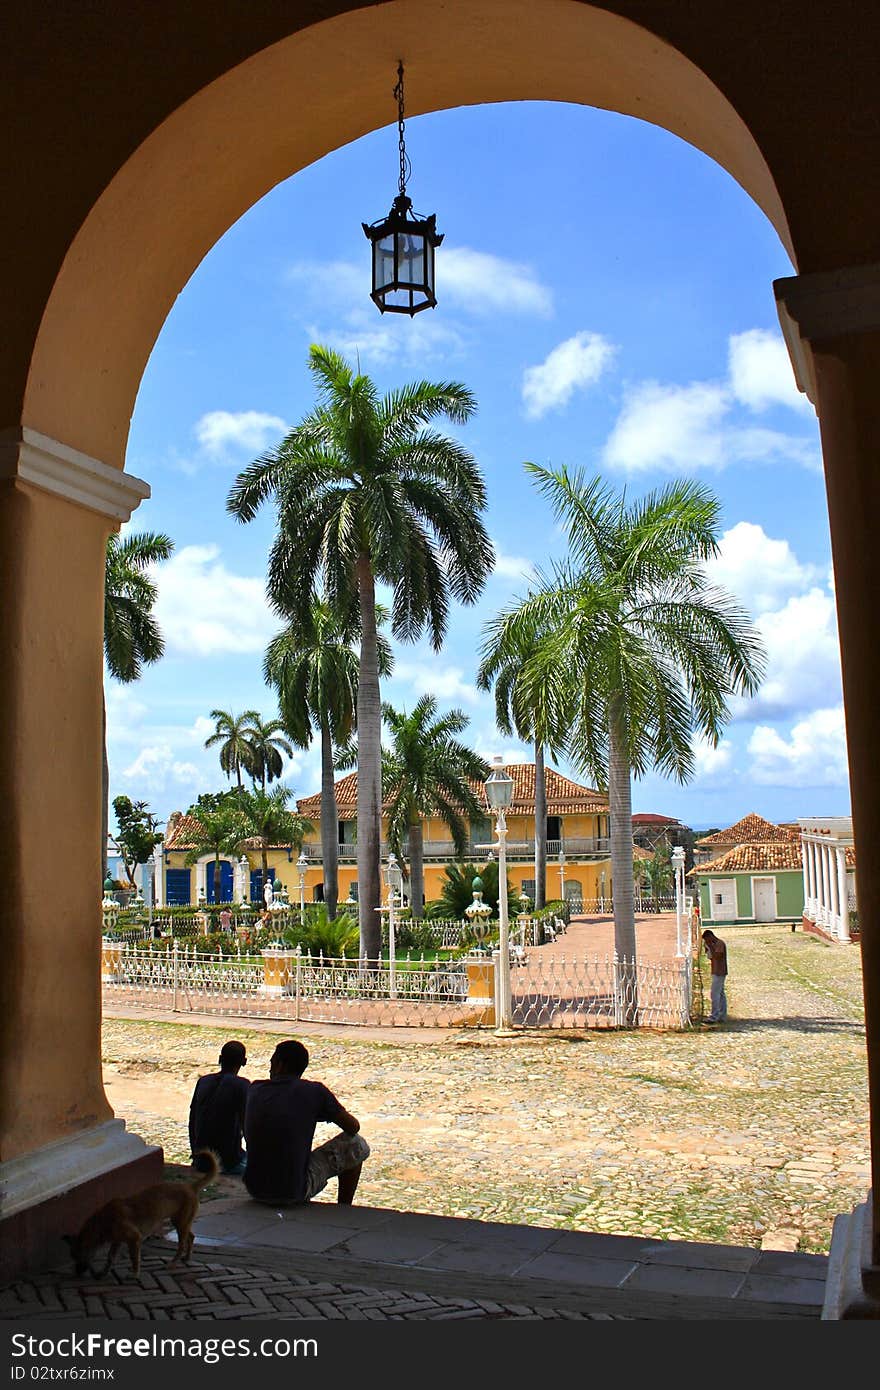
(754, 1133)
(208, 1289)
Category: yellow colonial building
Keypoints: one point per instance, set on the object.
(578, 862)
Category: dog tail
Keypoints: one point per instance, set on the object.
(208, 1165)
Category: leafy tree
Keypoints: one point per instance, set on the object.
(234, 733)
(366, 492)
(427, 771)
(216, 832)
(532, 710)
(138, 834)
(265, 821)
(657, 873)
(131, 634)
(212, 801)
(648, 651)
(313, 665)
(267, 746)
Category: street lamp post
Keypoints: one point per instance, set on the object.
(499, 794)
(394, 879)
(678, 869)
(301, 865)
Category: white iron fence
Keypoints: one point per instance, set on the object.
(548, 989)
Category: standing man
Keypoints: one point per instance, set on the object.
(226, 920)
(716, 950)
(280, 1126)
(216, 1112)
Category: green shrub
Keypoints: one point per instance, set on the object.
(335, 938)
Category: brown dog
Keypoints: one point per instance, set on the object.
(129, 1220)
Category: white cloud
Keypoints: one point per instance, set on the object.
(676, 427)
(803, 657)
(573, 365)
(668, 427)
(203, 608)
(761, 374)
(711, 761)
(156, 767)
(475, 281)
(396, 337)
(814, 755)
(513, 566)
(483, 284)
(434, 675)
(248, 431)
(760, 571)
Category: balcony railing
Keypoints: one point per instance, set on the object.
(575, 847)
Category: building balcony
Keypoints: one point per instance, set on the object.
(433, 851)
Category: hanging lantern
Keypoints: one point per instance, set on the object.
(403, 244)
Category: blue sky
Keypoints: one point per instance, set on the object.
(606, 292)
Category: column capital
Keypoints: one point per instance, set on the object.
(34, 458)
(825, 304)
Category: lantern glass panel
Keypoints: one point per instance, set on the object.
(383, 262)
(411, 259)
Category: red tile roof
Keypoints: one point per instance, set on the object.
(562, 794)
(751, 830)
(649, 818)
(759, 858)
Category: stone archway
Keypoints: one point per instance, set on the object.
(224, 139)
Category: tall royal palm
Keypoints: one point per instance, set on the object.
(428, 771)
(649, 649)
(313, 665)
(214, 832)
(367, 492)
(131, 634)
(539, 711)
(267, 745)
(234, 733)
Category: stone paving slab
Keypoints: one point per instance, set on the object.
(534, 1264)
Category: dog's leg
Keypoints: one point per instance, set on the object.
(134, 1251)
(111, 1256)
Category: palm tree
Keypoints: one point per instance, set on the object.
(218, 833)
(234, 733)
(265, 821)
(131, 633)
(634, 634)
(266, 749)
(657, 873)
(427, 772)
(313, 665)
(366, 492)
(533, 712)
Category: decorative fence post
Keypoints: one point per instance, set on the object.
(111, 961)
(277, 970)
(298, 990)
(175, 973)
(618, 991)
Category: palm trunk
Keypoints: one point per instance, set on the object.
(540, 827)
(620, 806)
(105, 796)
(369, 792)
(329, 824)
(416, 869)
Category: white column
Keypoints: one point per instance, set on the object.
(805, 865)
(843, 893)
(825, 891)
(159, 875)
(201, 880)
(835, 896)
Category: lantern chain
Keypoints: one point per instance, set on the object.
(405, 166)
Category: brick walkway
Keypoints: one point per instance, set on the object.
(210, 1289)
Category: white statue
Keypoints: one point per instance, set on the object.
(267, 893)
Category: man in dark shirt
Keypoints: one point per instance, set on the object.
(279, 1128)
(216, 1112)
(716, 950)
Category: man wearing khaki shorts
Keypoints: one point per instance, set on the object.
(279, 1127)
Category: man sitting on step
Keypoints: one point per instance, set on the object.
(279, 1128)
